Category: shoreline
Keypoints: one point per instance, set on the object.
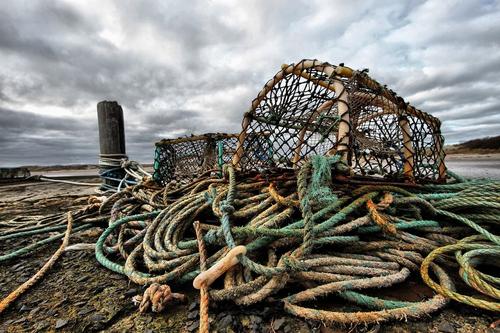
(487, 156)
(36, 169)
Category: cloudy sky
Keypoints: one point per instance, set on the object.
(180, 67)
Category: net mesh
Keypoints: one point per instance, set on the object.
(314, 108)
(184, 159)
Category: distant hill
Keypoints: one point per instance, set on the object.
(486, 145)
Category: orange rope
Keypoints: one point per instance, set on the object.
(385, 225)
(204, 299)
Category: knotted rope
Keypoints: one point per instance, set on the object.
(332, 238)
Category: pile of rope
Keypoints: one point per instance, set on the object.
(316, 233)
(266, 233)
(118, 172)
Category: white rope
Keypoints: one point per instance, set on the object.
(67, 181)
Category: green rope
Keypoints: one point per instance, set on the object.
(32, 247)
(331, 220)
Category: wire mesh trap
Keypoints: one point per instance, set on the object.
(315, 108)
(186, 158)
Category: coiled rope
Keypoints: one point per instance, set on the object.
(295, 230)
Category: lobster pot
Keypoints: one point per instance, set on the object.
(185, 159)
(390, 138)
(291, 118)
(315, 108)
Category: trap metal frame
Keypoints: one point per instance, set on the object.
(315, 108)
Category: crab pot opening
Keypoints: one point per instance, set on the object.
(315, 108)
(184, 159)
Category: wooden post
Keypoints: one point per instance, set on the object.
(111, 129)
(111, 138)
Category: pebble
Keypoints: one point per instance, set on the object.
(193, 327)
(61, 323)
(17, 267)
(34, 311)
(50, 312)
(98, 289)
(24, 308)
(245, 322)
(277, 323)
(446, 327)
(131, 292)
(85, 311)
(41, 326)
(36, 301)
(61, 301)
(81, 255)
(82, 278)
(225, 321)
(192, 306)
(97, 317)
(192, 314)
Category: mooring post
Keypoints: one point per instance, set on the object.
(111, 142)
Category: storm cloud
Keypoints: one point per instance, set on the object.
(191, 67)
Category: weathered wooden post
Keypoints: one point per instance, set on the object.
(111, 142)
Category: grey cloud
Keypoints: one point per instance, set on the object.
(26, 137)
(22, 122)
(178, 68)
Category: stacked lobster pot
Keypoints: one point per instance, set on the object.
(335, 188)
(315, 108)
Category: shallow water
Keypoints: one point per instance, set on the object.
(475, 167)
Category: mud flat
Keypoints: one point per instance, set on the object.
(79, 295)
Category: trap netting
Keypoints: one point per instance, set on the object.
(184, 159)
(315, 108)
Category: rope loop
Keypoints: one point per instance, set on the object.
(226, 207)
